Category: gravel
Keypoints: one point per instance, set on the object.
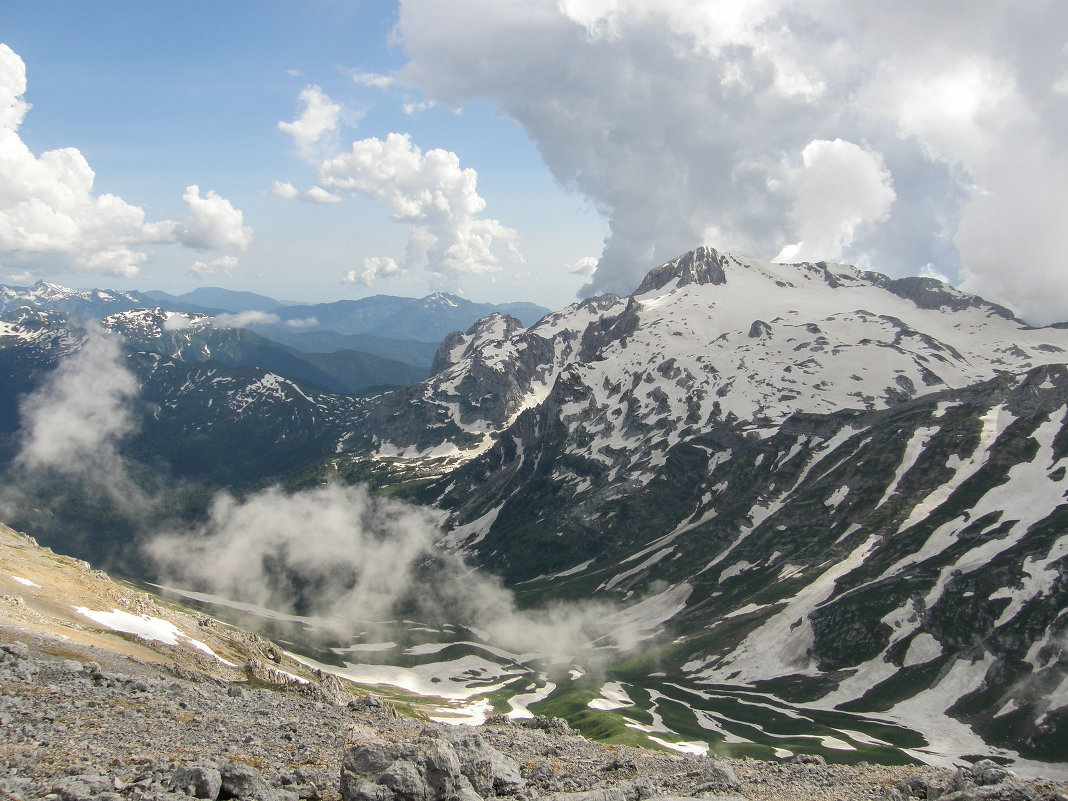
(118, 728)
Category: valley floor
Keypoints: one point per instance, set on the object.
(80, 721)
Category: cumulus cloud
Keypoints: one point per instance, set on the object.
(13, 106)
(319, 195)
(49, 212)
(839, 187)
(284, 189)
(317, 123)
(372, 269)
(587, 265)
(214, 224)
(430, 194)
(684, 122)
(339, 553)
(47, 205)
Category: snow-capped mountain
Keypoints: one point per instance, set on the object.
(92, 303)
(850, 488)
(856, 484)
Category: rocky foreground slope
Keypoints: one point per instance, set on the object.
(89, 710)
(125, 729)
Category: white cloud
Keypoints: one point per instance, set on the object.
(430, 194)
(214, 224)
(244, 319)
(73, 422)
(319, 195)
(214, 267)
(177, 322)
(584, 266)
(284, 189)
(375, 79)
(839, 188)
(314, 195)
(372, 269)
(47, 206)
(20, 278)
(928, 271)
(680, 120)
(411, 107)
(13, 106)
(50, 214)
(318, 121)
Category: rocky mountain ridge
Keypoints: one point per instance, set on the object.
(858, 483)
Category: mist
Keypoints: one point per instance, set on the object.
(72, 423)
(68, 482)
(340, 553)
(333, 552)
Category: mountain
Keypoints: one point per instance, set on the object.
(426, 319)
(89, 665)
(220, 405)
(213, 298)
(401, 329)
(854, 486)
(194, 339)
(410, 351)
(847, 491)
(91, 304)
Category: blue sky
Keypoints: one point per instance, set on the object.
(159, 96)
(531, 151)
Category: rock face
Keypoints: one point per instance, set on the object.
(436, 766)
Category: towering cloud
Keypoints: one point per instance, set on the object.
(939, 131)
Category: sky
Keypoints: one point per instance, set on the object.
(542, 150)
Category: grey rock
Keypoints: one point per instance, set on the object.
(201, 781)
(405, 780)
(716, 778)
(639, 789)
(243, 781)
(17, 649)
(809, 759)
(489, 771)
(1009, 790)
(423, 769)
(607, 794)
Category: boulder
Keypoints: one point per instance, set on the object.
(199, 781)
(424, 769)
(243, 781)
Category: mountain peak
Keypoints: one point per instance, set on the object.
(701, 266)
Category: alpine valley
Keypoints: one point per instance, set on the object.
(836, 500)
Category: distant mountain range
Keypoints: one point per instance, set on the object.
(402, 329)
